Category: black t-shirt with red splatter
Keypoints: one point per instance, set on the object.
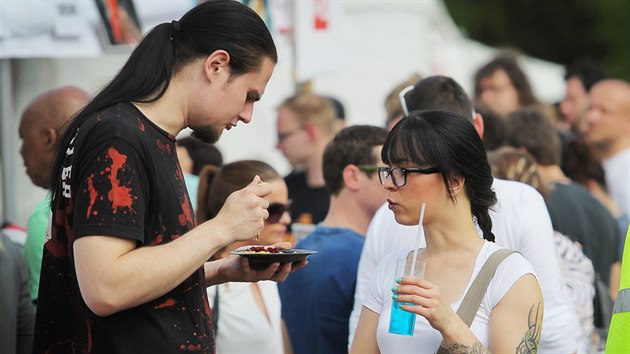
(120, 178)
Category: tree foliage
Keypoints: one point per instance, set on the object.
(562, 31)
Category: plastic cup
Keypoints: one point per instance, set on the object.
(400, 321)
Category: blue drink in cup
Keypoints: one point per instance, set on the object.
(400, 321)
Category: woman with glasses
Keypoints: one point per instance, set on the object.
(437, 158)
(246, 316)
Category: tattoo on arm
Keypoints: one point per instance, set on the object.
(529, 344)
(458, 348)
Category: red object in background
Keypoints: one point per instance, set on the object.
(14, 232)
(322, 14)
(114, 20)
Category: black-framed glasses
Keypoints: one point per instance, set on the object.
(276, 210)
(399, 174)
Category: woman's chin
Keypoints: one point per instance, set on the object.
(404, 220)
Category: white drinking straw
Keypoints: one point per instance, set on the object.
(420, 232)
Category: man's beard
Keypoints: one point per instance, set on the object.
(207, 134)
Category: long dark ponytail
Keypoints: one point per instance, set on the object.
(145, 77)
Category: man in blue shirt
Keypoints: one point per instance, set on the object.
(317, 300)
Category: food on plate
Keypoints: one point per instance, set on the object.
(259, 250)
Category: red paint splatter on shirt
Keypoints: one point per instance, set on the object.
(89, 336)
(93, 195)
(179, 174)
(119, 195)
(158, 240)
(190, 347)
(194, 347)
(160, 145)
(186, 217)
(140, 125)
(168, 303)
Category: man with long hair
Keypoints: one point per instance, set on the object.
(125, 268)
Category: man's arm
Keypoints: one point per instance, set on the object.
(615, 279)
(108, 267)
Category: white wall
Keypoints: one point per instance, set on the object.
(383, 43)
(34, 76)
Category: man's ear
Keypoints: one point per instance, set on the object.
(216, 64)
(312, 131)
(478, 123)
(351, 175)
(51, 138)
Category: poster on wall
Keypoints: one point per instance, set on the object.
(120, 28)
(79, 28)
(317, 38)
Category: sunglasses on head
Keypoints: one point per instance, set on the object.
(403, 101)
(276, 210)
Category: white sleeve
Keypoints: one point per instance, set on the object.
(508, 272)
(370, 257)
(377, 290)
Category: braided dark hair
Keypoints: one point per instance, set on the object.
(449, 142)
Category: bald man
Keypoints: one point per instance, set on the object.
(40, 129)
(608, 128)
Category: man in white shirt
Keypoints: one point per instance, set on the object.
(520, 221)
(608, 128)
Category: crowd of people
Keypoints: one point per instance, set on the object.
(130, 251)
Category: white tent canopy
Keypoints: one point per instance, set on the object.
(376, 45)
